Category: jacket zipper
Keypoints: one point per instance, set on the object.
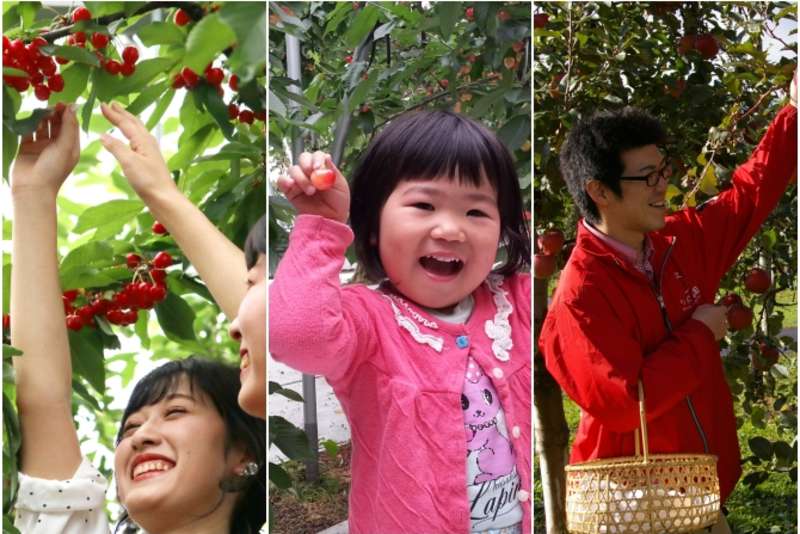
(668, 326)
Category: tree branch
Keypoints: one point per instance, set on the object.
(194, 10)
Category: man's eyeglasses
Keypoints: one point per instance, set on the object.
(664, 172)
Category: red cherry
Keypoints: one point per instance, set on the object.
(74, 322)
(6, 49)
(18, 83)
(159, 228)
(38, 42)
(540, 20)
(37, 78)
(6, 317)
(114, 316)
(56, 83)
(42, 92)
(81, 14)
(48, 66)
(178, 82)
(189, 76)
(731, 299)
(323, 179)
(215, 76)
(158, 292)
(79, 38)
(707, 45)
(247, 116)
(112, 66)
(159, 276)
(686, 44)
(130, 54)
(130, 317)
(261, 115)
(233, 111)
(470, 13)
(101, 306)
(99, 40)
(133, 260)
(162, 260)
(503, 15)
(234, 83)
(86, 313)
(126, 69)
(182, 18)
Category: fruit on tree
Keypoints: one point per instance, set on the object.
(739, 317)
(731, 299)
(544, 265)
(470, 13)
(215, 76)
(766, 357)
(133, 260)
(42, 92)
(348, 59)
(158, 228)
(112, 66)
(707, 45)
(503, 15)
(130, 54)
(182, 18)
(234, 83)
(80, 14)
(190, 77)
(99, 40)
(162, 260)
(551, 241)
(323, 179)
(686, 44)
(233, 111)
(540, 20)
(126, 69)
(246, 116)
(510, 63)
(757, 280)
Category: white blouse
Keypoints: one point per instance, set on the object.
(74, 506)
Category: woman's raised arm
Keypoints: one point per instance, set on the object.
(221, 264)
(44, 373)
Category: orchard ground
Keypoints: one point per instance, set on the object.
(769, 507)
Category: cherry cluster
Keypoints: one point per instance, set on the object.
(123, 307)
(215, 76)
(99, 41)
(39, 67)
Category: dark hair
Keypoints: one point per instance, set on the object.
(256, 242)
(593, 148)
(221, 384)
(426, 145)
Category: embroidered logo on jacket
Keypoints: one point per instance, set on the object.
(690, 298)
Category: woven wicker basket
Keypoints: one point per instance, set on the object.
(653, 493)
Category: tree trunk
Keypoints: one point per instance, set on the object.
(550, 426)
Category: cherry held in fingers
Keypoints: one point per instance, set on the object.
(323, 179)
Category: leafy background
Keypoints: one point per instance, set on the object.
(220, 165)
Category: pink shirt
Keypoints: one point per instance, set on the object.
(399, 375)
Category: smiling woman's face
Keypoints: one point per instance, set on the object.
(250, 328)
(171, 458)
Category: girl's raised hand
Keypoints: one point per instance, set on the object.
(332, 202)
(47, 156)
(141, 161)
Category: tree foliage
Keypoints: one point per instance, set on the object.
(217, 161)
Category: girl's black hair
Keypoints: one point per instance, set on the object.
(426, 145)
(220, 383)
(256, 242)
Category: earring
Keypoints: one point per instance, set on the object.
(250, 469)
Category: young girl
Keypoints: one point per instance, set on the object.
(432, 367)
(188, 459)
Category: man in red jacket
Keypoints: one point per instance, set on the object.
(635, 300)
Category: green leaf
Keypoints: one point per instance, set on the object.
(162, 33)
(331, 447)
(73, 53)
(206, 40)
(9, 351)
(449, 13)
(86, 349)
(213, 103)
(761, 447)
(278, 476)
(362, 25)
(76, 76)
(86, 112)
(10, 143)
(146, 98)
(277, 389)
(176, 317)
(146, 72)
(248, 20)
(91, 253)
(292, 441)
(516, 131)
(28, 124)
(116, 212)
(161, 108)
(191, 148)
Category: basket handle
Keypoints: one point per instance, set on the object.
(643, 425)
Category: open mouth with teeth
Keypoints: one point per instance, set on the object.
(441, 266)
(150, 469)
